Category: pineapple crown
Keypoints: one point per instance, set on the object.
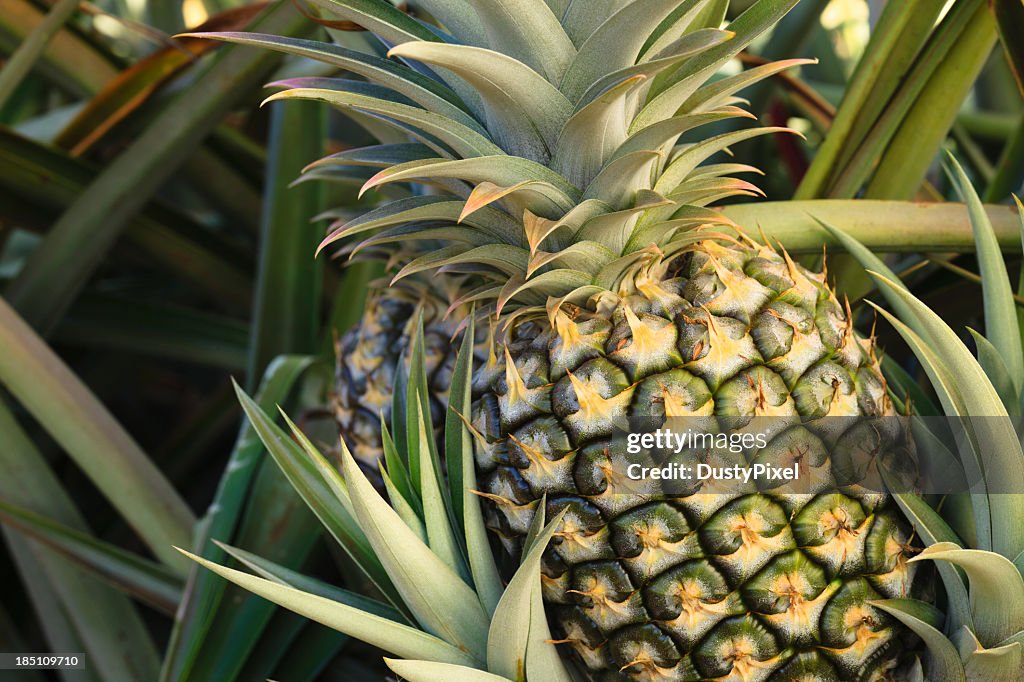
(546, 131)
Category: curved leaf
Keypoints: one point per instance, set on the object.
(944, 663)
(428, 671)
(518, 100)
(997, 589)
(401, 640)
(529, 31)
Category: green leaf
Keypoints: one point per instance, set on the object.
(445, 606)
(933, 529)
(69, 59)
(1000, 309)
(500, 170)
(401, 640)
(760, 17)
(459, 18)
(687, 161)
(286, 576)
(154, 328)
(54, 274)
(462, 476)
(529, 31)
(903, 145)
(999, 664)
(615, 44)
(380, 17)
(994, 437)
(520, 104)
(287, 305)
(920, 617)
(73, 607)
(203, 591)
(593, 133)
(997, 589)
(897, 38)
(20, 63)
(429, 671)
(995, 368)
(1009, 15)
(463, 139)
(426, 92)
(108, 455)
(519, 640)
(881, 226)
(128, 572)
(335, 512)
(42, 181)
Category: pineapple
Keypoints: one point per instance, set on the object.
(569, 189)
(369, 357)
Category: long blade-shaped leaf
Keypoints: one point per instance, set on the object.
(75, 608)
(56, 271)
(1000, 310)
(997, 589)
(428, 671)
(92, 437)
(446, 606)
(21, 62)
(882, 226)
(138, 577)
(519, 640)
(399, 639)
(945, 661)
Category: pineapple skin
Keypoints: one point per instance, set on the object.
(368, 358)
(731, 587)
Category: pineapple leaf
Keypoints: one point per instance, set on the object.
(761, 16)
(995, 437)
(688, 160)
(998, 664)
(379, 17)
(664, 133)
(429, 671)
(718, 93)
(684, 19)
(334, 512)
(1000, 310)
(462, 475)
(995, 367)
(615, 44)
(445, 606)
(934, 529)
(619, 181)
(84, 427)
(593, 133)
(529, 31)
(500, 170)
(403, 507)
(518, 100)
(509, 260)
(948, 389)
(923, 619)
(378, 156)
(459, 18)
(583, 17)
(282, 575)
(146, 580)
(518, 641)
(996, 589)
(397, 471)
(401, 640)
(426, 92)
(464, 139)
(686, 47)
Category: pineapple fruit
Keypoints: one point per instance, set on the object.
(569, 192)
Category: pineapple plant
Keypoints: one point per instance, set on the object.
(569, 193)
